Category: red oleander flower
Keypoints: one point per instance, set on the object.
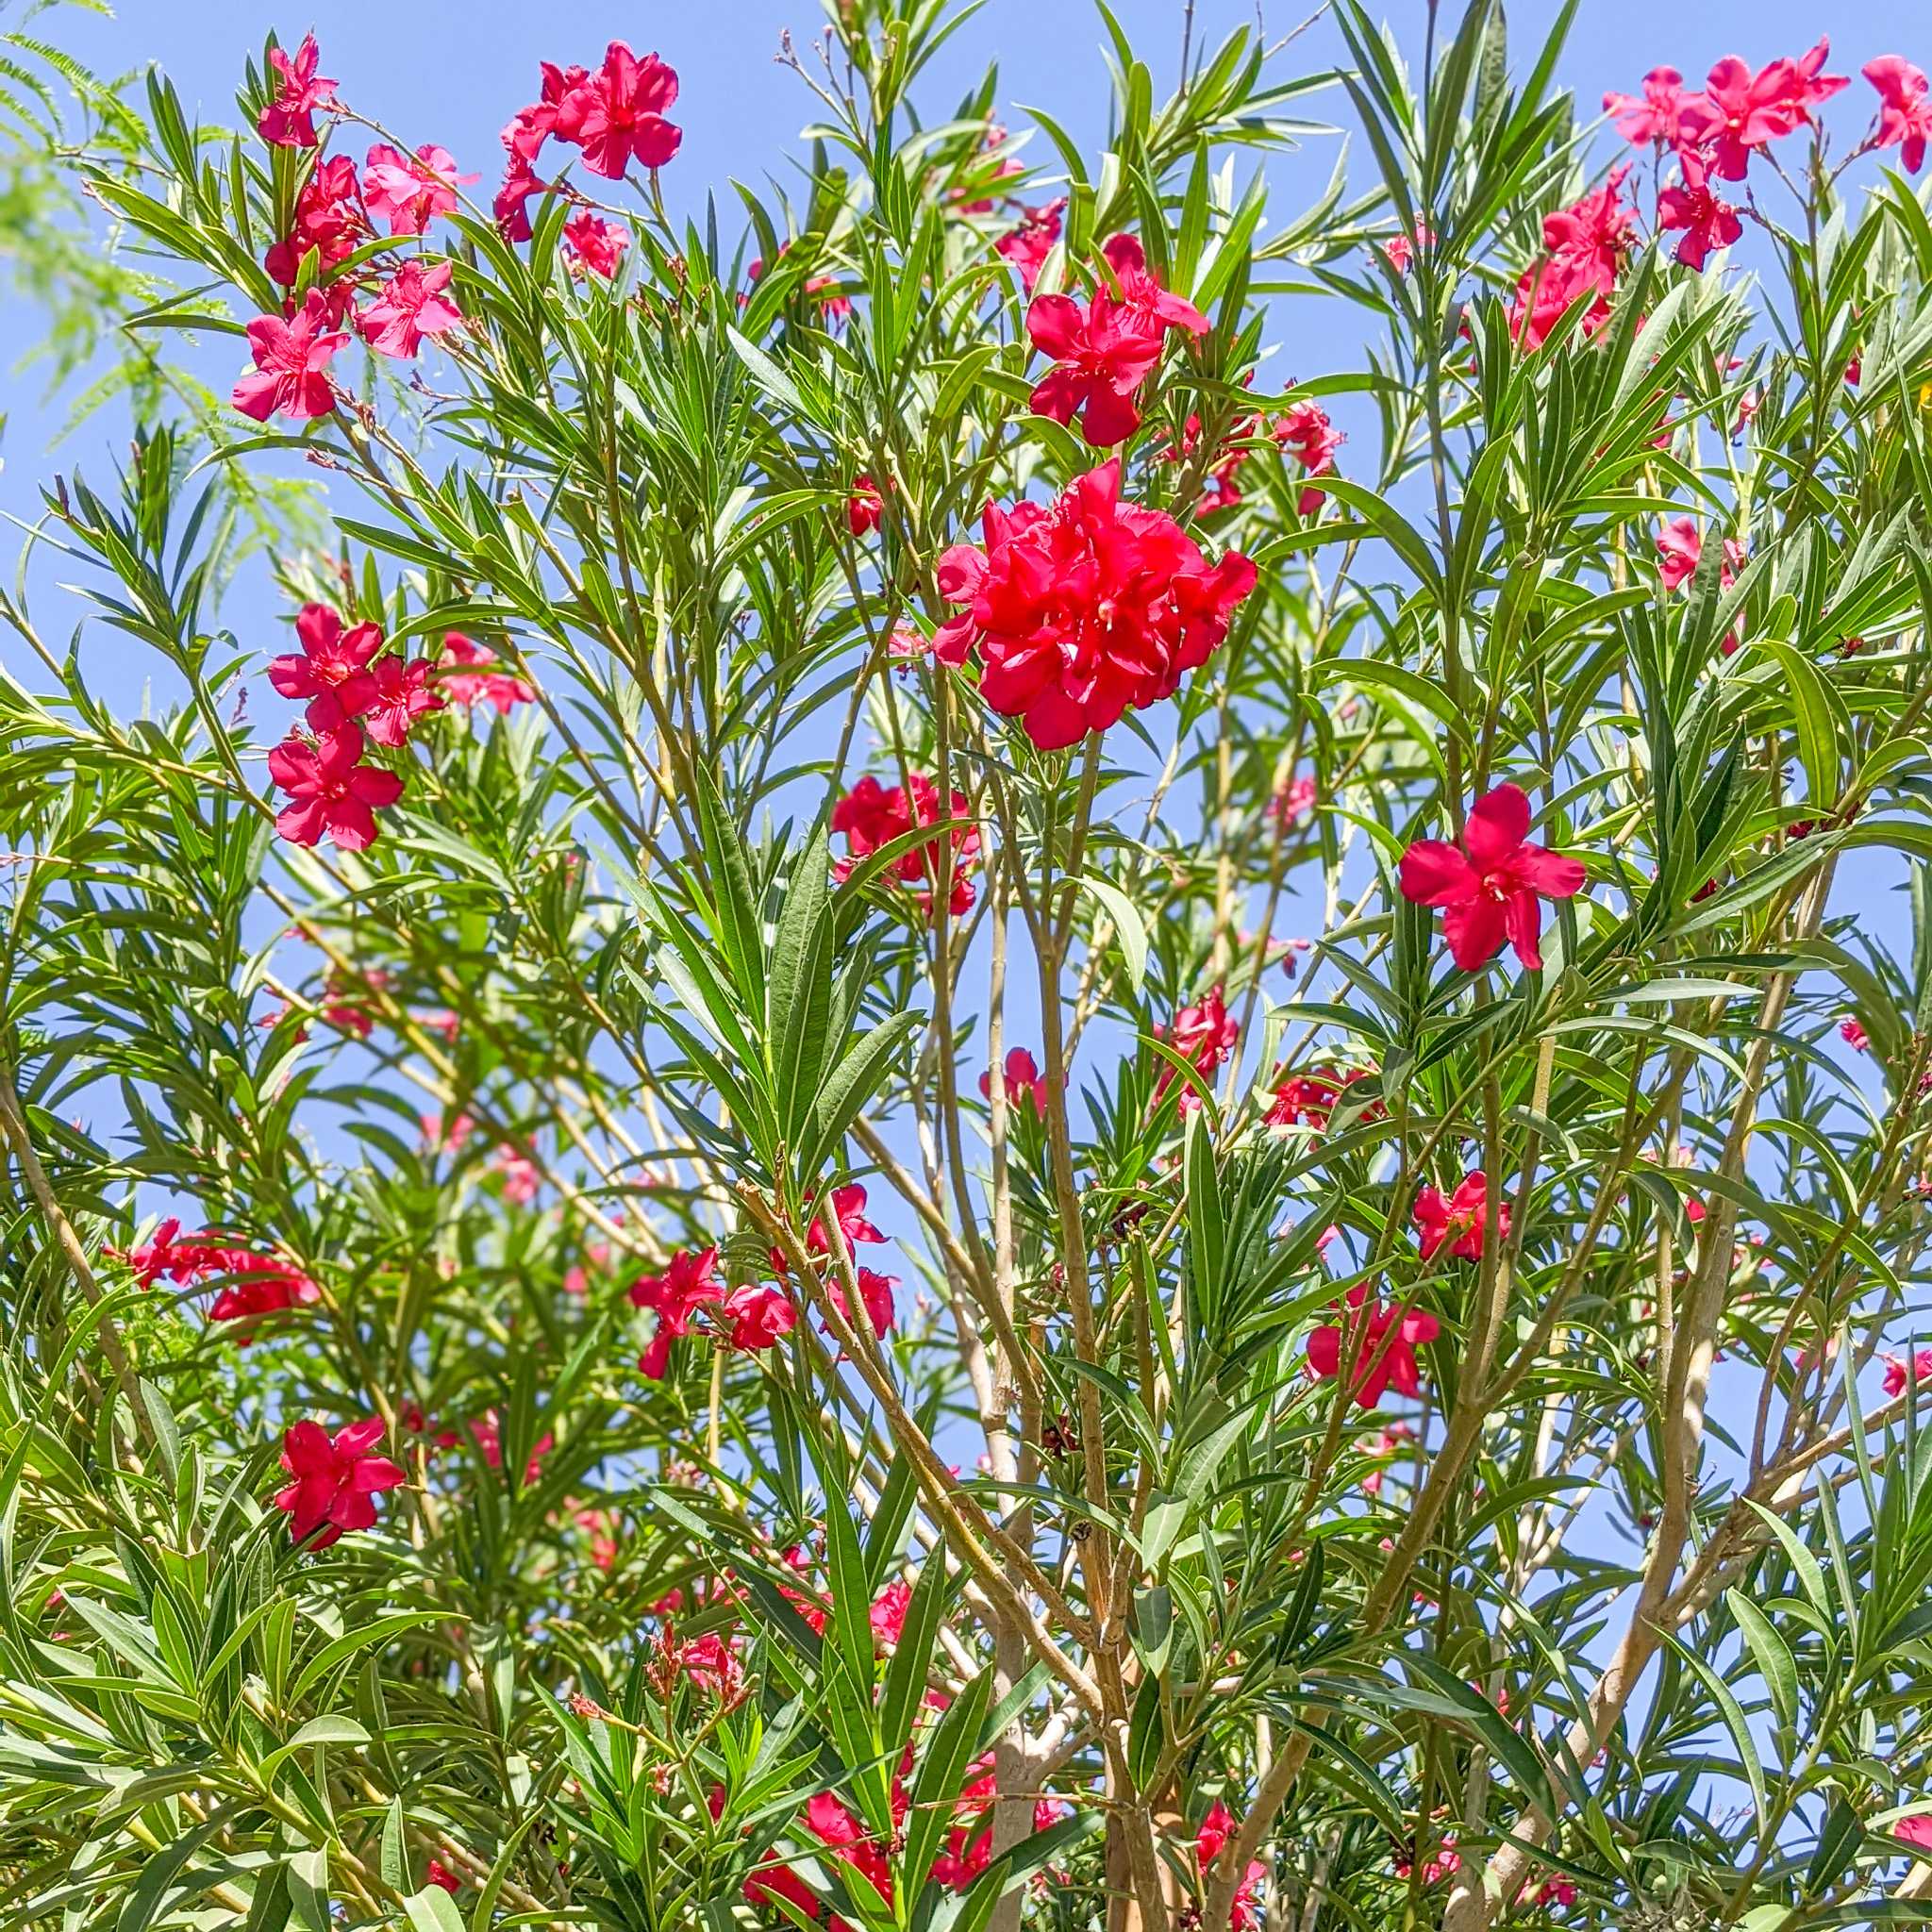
(594, 243)
(1026, 1085)
(261, 1287)
(1904, 113)
(334, 793)
(438, 1873)
(409, 191)
(410, 306)
(1585, 246)
(464, 685)
(509, 205)
(1650, 117)
(1915, 1831)
(1854, 1035)
(876, 1291)
(1489, 888)
(291, 360)
(864, 508)
(399, 695)
(759, 1317)
(687, 1284)
(289, 120)
(331, 671)
(870, 816)
(1084, 610)
(1306, 434)
(328, 219)
(1740, 113)
(1385, 1346)
(1706, 222)
(1458, 1221)
(1028, 246)
(1311, 1097)
(1898, 1373)
(1204, 1034)
(336, 1479)
(1679, 547)
(617, 113)
(888, 1613)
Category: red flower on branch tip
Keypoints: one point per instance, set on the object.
(328, 221)
(410, 307)
(1899, 1373)
(292, 358)
(864, 508)
(1706, 222)
(1586, 245)
(439, 1874)
(409, 191)
(759, 1317)
(301, 92)
(335, 1479)
(1385, 1340)
(616, 114)
(1650, 117)
(1026, 1087)
(1740, 113)
(687, 1282)
(1102, 353)
(1083, 610)
(1904, 113)
(1306, 434)
(595, 245)
(1488, 890)
(464, 682)
(1459, 1220)
(1026, 247)
(334, 794)
(870, 816)
(1204, 1033)
(331, 670)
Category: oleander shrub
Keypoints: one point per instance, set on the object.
(1044, 1049)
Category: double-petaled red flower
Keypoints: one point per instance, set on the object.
(1385, 1343)
(301, 92)
(1459, 1220)
(1083, 610)
(1489, 888)
(688, 1283)
(617, 113)
(292, 358)
(335, 1479)
(870, 816)
(334, 793)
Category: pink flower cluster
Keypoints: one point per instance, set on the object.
(871, 815)
(1081, 611)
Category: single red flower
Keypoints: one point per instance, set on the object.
(1706, 222)
(687, 1284)
(1101, 355)
(1028, 246)
(291, 360)
(1306, 434)
(334, 793)
(409, 191)
(155, 1257)
(261, 1287)
(509, 205)
(438, 1873)
(400, 694)
(864, 508)
(870, 816)
(531, 127)
(331, 670)
(1650, 117)
(617, 113)
(335, 1478)
(594, 243)
(1489, 888)
(1311, 1097)
(888, 1613)
(328, 221)
(876, 1291)
(289, 120)
(464, 685)
(1085, 608)
(1898, 1374)
(1217, 1828)
(1204, 1034)
(759, 1317)
(1386, 1342)
(1679, 548)
(1904, 113)
(1459, 1220)
(409, 307)
(1854, 1035)
(1026, 1087)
